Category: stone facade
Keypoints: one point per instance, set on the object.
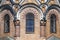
(42, 10)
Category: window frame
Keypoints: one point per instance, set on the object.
(30, 32)
(8, 23)
(51, 23)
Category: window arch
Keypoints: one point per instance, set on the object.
(29, 22)
(53, 23)
(6, 23)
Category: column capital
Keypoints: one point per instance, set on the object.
(17, 22)
(43, 22)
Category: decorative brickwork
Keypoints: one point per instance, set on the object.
(53, 11)
(12, 28)
(17, 10)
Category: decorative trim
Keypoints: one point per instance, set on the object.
(56, 7)
(53, 11)
(7, 7)
(42, 23)
(39, 1)
(44, 5)
(21, 1)
(30, 6)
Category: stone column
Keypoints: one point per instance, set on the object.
(17, 29)
(42, 28)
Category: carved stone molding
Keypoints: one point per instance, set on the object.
(43, 23)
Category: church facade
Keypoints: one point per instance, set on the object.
(29, 19)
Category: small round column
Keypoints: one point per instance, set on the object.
(42, 28)
(17, 29)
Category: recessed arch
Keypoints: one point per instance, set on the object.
(52, 11)
(29, 5)
(54, 6)
(7, 7)
(56, 13)
(21, 15)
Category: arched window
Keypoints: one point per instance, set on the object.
(6, 23)
(53, 23)
(29, 23)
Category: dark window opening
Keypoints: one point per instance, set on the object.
(53, 23)
(6, 23)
